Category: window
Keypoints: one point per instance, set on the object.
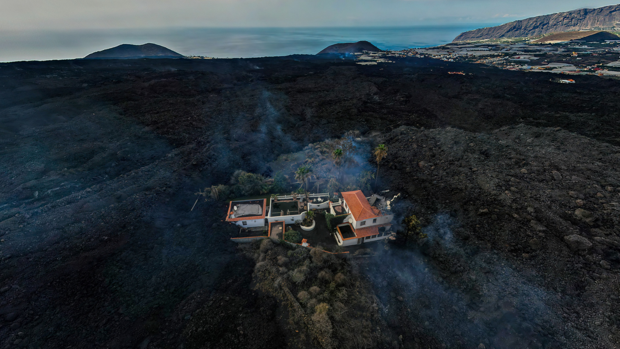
(362, 223)
(368, 238)
(374, 220)
(374, 236)
(245, 222)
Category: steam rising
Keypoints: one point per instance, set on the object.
(462, 295)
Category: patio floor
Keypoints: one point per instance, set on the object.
(276, 230)
(320, 235)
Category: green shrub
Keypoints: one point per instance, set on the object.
(340, 279)
(328, 219)
(293, 236)
(314, 290)
(303, 296)
(282, 260)
(325, 275)
(298, 276)
(341, 294)
(317, 255)
(321, 308)
(266, 245)
(312, 304)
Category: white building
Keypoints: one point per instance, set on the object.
(247, 213)
(365, 222)
(286, 209)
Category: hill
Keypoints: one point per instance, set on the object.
(359, 46)
(607, 17)
(127, 51)
(585, 36)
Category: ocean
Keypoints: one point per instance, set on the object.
(220, 42)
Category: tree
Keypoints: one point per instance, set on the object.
(380, 153)
(365, 180)
(413, 229)
(246, 183)
(302, 175)
(337, 155)
(332, 186)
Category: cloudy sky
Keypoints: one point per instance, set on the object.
(20, 15)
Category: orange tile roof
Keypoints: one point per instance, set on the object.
(359, 206)
(230, 212)
(374, 230)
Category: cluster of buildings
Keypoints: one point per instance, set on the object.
(361, 219)
(574, 57)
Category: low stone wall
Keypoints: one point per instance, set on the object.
(248, 239)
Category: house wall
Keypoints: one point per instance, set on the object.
(351, 242)
(378, 238)
(380, 220)
(338, 240)
(320, 206)
(287, 219)
(251, 223)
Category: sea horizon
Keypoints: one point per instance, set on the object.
(42, 45)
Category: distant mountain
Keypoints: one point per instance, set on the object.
(126, 51)
(583, 36)
(351, 48)
(604, 18)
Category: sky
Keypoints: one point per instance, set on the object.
(25, 15)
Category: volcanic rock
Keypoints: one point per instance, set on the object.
(584, 215)
(577, 242)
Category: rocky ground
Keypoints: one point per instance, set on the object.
(523, 237)
(100, 161)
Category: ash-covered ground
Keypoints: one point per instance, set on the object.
(516, 179)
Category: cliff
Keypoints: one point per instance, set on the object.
(584, 19)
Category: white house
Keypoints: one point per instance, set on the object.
(247, 213)
(365, 222)
(285, 208)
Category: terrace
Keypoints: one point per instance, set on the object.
(320, 235)
(246, 210)
(346, 231)
(284, 208)
(276, 230)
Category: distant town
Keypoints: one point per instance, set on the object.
(581, 53)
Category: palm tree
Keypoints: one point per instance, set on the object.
(302, 174)
(380, 153)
